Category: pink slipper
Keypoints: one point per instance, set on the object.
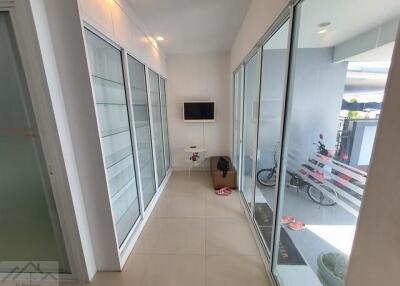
(297, 225)
(227, 190)
(287, 219)
(221, 192)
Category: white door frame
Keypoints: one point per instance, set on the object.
(29, 51)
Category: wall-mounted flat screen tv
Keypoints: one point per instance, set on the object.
(198, 111)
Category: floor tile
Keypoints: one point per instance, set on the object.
(148, 238)
(229, 236)
(192, 238)
(181, 236)
(175, 270)
(187, 206)
(223, 206)
(235, 271)
(162, 207)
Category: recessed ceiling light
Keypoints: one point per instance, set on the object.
(160, 39)
(323, 31)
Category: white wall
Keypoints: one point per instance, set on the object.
(116, 20)
(259, 17)
(198, 77)
(62, 47)
(375, 258)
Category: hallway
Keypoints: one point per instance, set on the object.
(193, 237)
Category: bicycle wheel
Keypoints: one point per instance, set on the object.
(266, 177)
(318, 197)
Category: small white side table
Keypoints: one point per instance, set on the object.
(196, 156)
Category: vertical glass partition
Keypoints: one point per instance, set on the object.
(140, 108)
(30, 228)
(163, 95)
(157, 125)
(238, 94)
(335, 93)
(112, 115)
(250, 114)
(272, 94)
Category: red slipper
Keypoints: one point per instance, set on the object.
(227, 190)
(297, 225)
(287, 219)
(221, 192)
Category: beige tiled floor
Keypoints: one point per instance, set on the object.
(193, 238)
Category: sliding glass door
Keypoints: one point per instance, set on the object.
(30, 227)
(163, 96)
(335, 94)
(250, 114)
(157, 125)
(272, 95)
(238, 102)
(114, 125)
(140, 109)
(312, 137)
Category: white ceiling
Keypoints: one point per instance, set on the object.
(192, 26)
(348, 18)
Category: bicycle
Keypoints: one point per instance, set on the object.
(267, 177)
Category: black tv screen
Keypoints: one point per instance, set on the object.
(202, 111)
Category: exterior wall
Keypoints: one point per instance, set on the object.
(375, 258)
(315, 107)
(200, 77)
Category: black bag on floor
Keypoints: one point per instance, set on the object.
(223, 165)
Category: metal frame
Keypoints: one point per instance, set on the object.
(238, 98)
(245, 62)
(161, 78)
(284, 18)
(90, 28)
(286, 15)
(159, 181)
(127, 86)
(143, 209)
(284, 135)
(125, 248)
(38, 94)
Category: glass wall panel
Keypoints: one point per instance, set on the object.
(112, 114)
(250, 114)
(30, 228)
(273, 80)
(238, 94)
(157, 125)
(140, 107)
(336, 89)
(163, 95)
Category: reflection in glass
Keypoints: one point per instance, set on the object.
(329, 140)
(112, 114)
(273, 73)
(30, 228)
(157, 125)
(140, 109)
(250, 112)
(165, 122)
